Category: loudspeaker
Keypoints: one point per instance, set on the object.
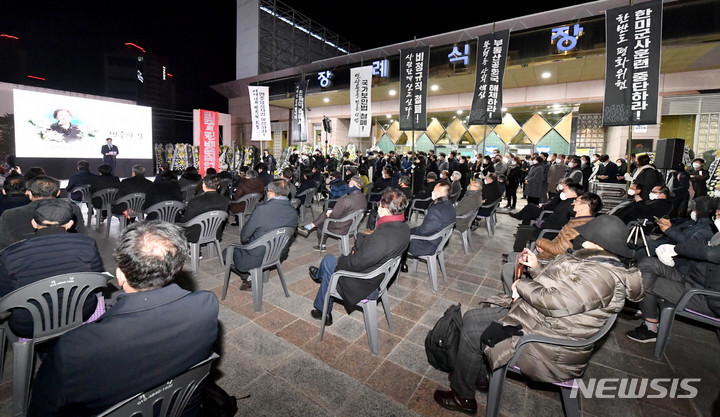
(669, 153)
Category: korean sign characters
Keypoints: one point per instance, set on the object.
(260, 109)
(489, 72)
(632, 67)
(209, 140)
(360, 98)
(413, 82)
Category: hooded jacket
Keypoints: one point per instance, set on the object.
(570, 298)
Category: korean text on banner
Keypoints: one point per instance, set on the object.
(492, 50)
(413, 88)
(209, 140)
(299, 114)
(260, 109)
(360, 99)
(632, 64)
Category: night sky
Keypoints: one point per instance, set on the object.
(65, 42)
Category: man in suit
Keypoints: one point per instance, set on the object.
(109, 152)
(440, 214)
(607, 171)
(471, 202)
(153, 331)
(657, 205)
(698, 177)
(209, 200)
(105, 180)
(164, 188)
(456, 185)
(15, 223)
(137, 183)
(269, 160)
(265, 175)
(50, 251)
(352, 201)
(389, 240)
(273, 214)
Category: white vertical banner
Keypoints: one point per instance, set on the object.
(260, 110)
(360, 99)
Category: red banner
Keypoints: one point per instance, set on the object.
(209, 141)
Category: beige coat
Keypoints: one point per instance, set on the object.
(563, 241)
(570, 298)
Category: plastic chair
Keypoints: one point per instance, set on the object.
(172, 396)
(84, 191)
(209, 223)
(107, 196)
(437, 258)
(668, 311)
(309, 195)
(414, 208)
(466, 236)
(39, 298)
(188, 192)
(274, 243)
(356, 217)
(497, 380)
(166, 211)
(491, 218)
(369, 306)
(134, 204)
(251, 200)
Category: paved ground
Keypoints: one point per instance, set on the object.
(274, 359)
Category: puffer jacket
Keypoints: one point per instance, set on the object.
(563, 241)
(570, 298)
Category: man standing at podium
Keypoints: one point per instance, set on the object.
(109, 153)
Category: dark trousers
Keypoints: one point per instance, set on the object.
(511, 195)
(533, 200)
(470, 363)
(665, 282)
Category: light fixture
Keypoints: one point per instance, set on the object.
(504, 109)
(459, 112)
(392, 92)
(326, 100)
(434, 87)
(546, 75)
(388, 115)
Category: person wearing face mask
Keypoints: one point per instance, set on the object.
(389, 240)
(699, 177)
(534, 180)
(569, 298)
(500, 166)
(471, 202)
(609, 170)
(354, 200)
(487, 165)
(556, 172)
(440, 214)
(700, 225)
(645, 174)
(694, 263)
(491, 193)
(561, 214)
(574, 171)
(513, 181)
(657, 205)
(622, 170)
(585, 208)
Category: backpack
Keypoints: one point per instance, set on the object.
(216, 402)
(442, 342)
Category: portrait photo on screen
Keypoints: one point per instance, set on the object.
(60, 126)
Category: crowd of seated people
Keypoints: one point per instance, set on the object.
(684, 247)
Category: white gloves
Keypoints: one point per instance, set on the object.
(666, 253)
(628, 177)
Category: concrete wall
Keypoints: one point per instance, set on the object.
(246, 45)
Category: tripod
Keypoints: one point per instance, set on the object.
(638, 231)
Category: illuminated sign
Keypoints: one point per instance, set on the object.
(457, 56)
(381, 68)
(140, 77)
(325, 78)
(565, 41)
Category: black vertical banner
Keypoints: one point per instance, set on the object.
(492, 50)
(632, 66)
(413, 92)
(299, 116)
